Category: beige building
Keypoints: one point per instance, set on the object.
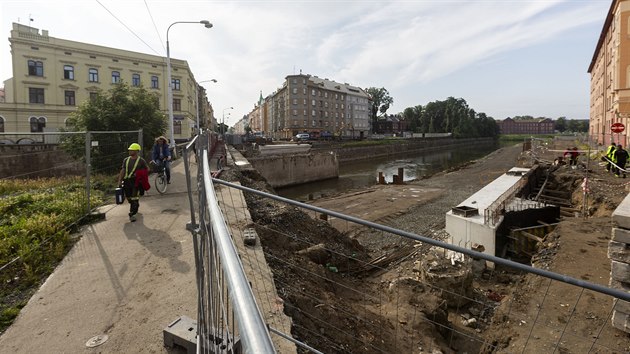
(52, 76)
(610, 77)
(308, 104)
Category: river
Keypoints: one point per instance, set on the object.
(362, 174)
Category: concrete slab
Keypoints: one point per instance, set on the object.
(621, 215)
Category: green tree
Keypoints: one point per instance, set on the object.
(380, 101)
(560, 124)
(120, 108)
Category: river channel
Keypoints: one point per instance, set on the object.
(362, 174)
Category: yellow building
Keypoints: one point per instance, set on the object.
(610, 77)
(52, 76)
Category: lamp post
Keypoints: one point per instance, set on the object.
(197, 101)
(223, 121)
(207, 24)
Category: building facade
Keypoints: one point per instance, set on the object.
(52, 76)
(308, 104)
(610, 77)
(529, 126)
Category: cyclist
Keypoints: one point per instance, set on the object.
(133, 178)
(161, 156)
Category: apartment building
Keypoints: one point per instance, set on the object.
(309, 104)
(529, 126)
(52, 76)
(610, 77)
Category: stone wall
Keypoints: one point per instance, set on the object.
(619, 254)
(37, 160)
(287, 170)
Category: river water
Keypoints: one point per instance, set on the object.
(362, 174)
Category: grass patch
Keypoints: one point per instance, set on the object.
(36, 219)
(523, 137)
(387, 141)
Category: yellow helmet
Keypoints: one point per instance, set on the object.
(134, 147)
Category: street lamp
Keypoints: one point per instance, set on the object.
(223, 120)
(207, 24)
(197, 101)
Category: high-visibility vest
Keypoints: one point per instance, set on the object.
(610, 153)
(129, 173)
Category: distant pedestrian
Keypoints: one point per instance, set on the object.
(134, 178)
(621, 157)
(610, 154)
(574, 156)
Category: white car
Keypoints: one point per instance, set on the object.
(302, 136)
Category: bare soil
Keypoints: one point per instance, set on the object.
(339, 307)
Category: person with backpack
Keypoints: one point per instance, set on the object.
(134, 178)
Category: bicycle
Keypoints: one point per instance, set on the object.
(160, 178)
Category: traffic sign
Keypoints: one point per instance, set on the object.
(617, 127)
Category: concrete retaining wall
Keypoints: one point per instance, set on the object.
(619, 254)
(37, 160)
(287, 170)
(405, 147)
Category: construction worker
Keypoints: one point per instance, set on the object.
(133, 177)
(610, 154)
(621, 157)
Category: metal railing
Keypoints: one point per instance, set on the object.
(228, 318)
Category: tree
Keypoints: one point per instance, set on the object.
(120, 108)
(381, 100)
(560, 124)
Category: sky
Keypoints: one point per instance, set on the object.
(504, 57)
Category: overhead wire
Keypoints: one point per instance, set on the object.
(154, 25)
(127, 27)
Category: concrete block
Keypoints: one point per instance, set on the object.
(181, 332)
(621, 321)
(249, 237)
(620, 271)
(619, 251)
(621, 215)
(615, 284)
(621, 235)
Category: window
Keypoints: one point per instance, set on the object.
(295, 101)
(1, 125)
(35, 68)
(313, 92)
(295, 112)
(154, 82)
(68, 72)
(176, 84)
(115, 77)
(304, 91)
(68, 124)
(295, 80)
(93, 96)
(177, 127)
(313, 113)
(326, 94)
(37, 124)
(177, 104)
(313, 103)
(69, 95)
(93, 75)
(35, 95)
(305, 101)
(135, 80)
(295, 90)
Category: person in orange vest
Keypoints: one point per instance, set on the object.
(132, 166)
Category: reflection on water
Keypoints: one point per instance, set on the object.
(361, 174)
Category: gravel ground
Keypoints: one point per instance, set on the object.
(458, 184)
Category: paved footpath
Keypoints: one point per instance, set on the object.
(122, 279)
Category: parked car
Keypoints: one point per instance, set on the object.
(302, 136)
